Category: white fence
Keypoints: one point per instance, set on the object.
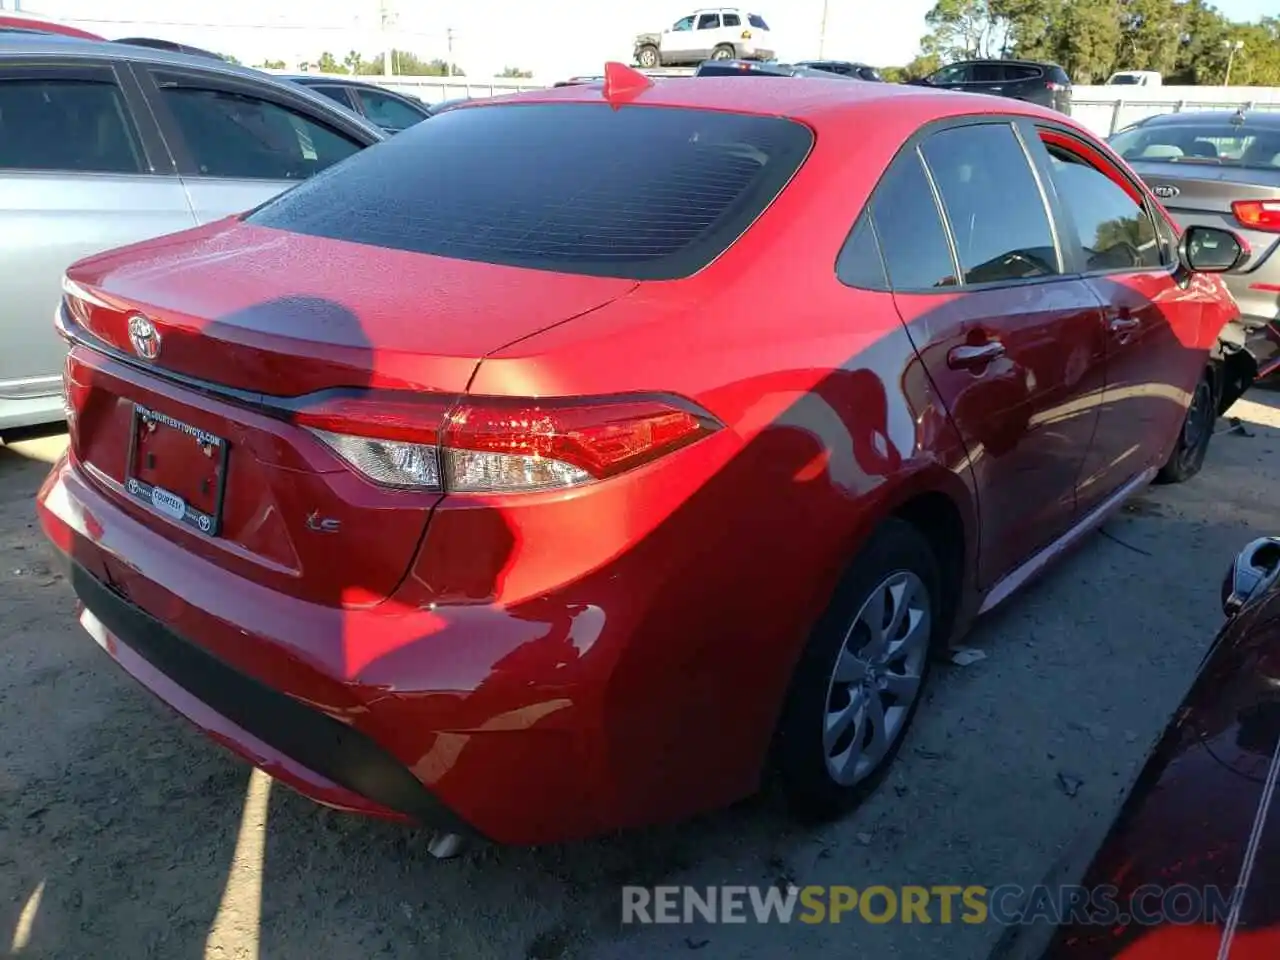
(1104, 110)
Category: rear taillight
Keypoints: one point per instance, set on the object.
(503, 445)
(1258, 214)
(1055, 86)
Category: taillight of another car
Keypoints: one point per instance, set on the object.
(503, 445)
(1258, 214)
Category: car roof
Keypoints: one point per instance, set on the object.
(1254, 118)
(810, 100)
(18, 20)
(327, 79)
(1020, 63)
(843, 63)
(52, 46)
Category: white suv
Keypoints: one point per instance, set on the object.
(714, 33)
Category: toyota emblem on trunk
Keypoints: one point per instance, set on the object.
(1165, 191)
(144, 337)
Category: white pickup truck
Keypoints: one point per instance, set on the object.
(712, 33)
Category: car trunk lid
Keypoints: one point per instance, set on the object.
(1202, 193)
(267, 311)
(250, 325)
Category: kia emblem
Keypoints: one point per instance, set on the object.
(1165, 191)
(144, 337)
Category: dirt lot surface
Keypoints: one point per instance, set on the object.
(123, 833)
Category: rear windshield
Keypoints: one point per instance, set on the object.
(646, 193)
(1217, 142)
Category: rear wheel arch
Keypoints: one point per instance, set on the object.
(938, 518)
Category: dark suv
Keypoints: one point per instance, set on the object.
(1044, 83)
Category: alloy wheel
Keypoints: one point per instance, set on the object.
(877, 677)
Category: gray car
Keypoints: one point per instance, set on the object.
(1222, 169)
(104, 144)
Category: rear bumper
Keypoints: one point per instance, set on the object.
(370, 710)
(317, 755)
(750, 50)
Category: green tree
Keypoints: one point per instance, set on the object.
(919, 67)
(1258, 61)
(353, 62)
(1150, 35)
(272, 65)
(409, 65)
(230, 59)
(959, 29)
(1089, 39)
(515, 73)
(328, 63)
(1202, 55)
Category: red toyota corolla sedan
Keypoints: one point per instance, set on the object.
(575, 461)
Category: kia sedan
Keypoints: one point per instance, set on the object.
(1222, 169)
(579, 459)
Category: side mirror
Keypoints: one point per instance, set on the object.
(1211, 250)
(1254, 568)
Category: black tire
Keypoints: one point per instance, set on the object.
(800, 749)
(649, 57)
(723, 52)
(1193, 439)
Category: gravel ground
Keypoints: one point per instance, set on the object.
(124, 833)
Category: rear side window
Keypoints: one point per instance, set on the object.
(912, 237)
(860, 263)
(1114, 231)
(242, 137)
(646, 193)
(993, 203)
(388, 112)
(957, 73)
(66, 125)
(1016, 72)
(986, 73)
(709, 21)
(336, 94)
(732, 20)
(757, 22)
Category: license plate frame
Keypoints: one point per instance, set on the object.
(164, 502)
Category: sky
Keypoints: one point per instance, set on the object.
(553, 38)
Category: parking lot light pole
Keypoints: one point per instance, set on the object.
(1234, 46)
(822, 32)
(389, 53)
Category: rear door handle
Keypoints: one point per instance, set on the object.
(969, 356)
